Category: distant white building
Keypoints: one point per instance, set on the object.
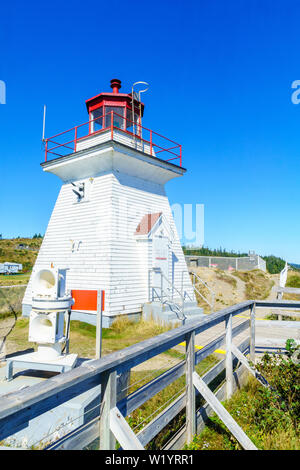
(10, 268)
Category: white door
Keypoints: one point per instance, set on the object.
(160, 284)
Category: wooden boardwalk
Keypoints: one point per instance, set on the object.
(198, 339)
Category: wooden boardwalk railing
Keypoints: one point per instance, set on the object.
(18, 408)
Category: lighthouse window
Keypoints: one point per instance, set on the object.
(118, 116)
(96, 118)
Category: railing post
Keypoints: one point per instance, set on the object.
(46, 150)
(180, 155)
(252, 333)
(75, 139)
(108, 401)
(100, 295)
(228, 359)
(112, 125)
(190, 390)
(150, 142)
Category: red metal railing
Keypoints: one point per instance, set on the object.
(156, 144)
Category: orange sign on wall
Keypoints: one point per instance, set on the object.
(86, 300)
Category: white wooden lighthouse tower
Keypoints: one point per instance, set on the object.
(112, 226)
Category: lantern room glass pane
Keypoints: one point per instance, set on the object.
(96, 119)
(118, 116)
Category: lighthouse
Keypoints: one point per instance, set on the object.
(112, 226)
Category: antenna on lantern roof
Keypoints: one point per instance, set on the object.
(44, 123)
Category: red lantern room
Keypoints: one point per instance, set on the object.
(126, 110)
(114, 116)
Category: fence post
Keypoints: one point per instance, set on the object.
(75, 139)
(190, 390)
(108, 401)
(252, 333)
(46, 150)
(279, 297)
(228, 360)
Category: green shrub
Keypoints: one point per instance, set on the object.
(268, 415)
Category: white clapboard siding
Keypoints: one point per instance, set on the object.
(118, 136)
(95, 240)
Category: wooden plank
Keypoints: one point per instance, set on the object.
(162, 420)
(252, 370)
(147, 391)
(90, 431)
(123, 432)
(169, 413)
(177, 442)
(78, 438)
(108, 401)
(190, 390)
(228, 358)
(252, 333)
(18, 420)
(281, 304)
(218, 342)
(223, 414)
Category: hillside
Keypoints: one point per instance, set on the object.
(234, 287)
(293, 280)
(20, 250)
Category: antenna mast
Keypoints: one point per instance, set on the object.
(44, 123)
(139, 100)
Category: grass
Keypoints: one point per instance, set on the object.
(222, 276)
(293, 280)
(11, 298)
(269, 417)
(14, 279)
(205, 292)
(122, 333)
(243, 408)
(258, 284)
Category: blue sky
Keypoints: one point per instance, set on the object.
(220, 75)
